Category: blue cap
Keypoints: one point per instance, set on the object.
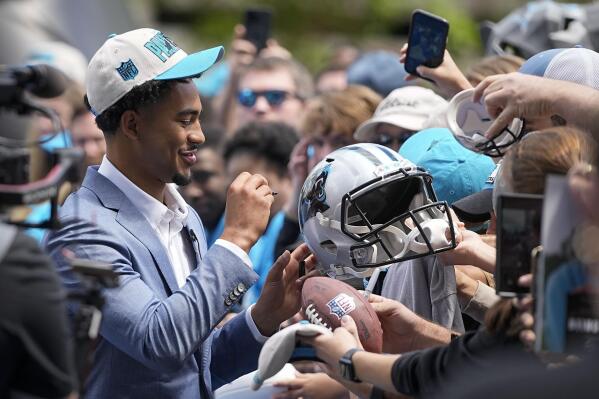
(457, 172)
(414, 147)
(538, 63)
(379, 70)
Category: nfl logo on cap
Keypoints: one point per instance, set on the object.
(128, 70)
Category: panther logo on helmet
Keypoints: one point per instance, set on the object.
(316, 197)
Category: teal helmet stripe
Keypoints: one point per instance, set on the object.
(365, 153)
(391, 154)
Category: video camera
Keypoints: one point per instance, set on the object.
(18, 85)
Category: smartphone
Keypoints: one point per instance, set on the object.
(257, 22)
(565, 298)
(426, 42)
(566, 320)
(518, 233)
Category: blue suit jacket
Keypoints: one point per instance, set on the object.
(157, 340)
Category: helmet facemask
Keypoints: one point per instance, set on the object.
(395, 219)
(469, 121)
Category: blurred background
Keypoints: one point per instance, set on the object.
(310, 29)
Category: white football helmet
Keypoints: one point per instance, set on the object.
(365, 206)
(469, 120)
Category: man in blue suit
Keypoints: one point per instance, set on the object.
(157, 335)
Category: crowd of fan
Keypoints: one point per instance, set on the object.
(446, 331)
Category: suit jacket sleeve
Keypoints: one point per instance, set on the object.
(233, 344)
(159, 331)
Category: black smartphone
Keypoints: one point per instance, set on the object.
(257, 22)
(518, 233)
(426, 42)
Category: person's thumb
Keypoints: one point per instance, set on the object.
(276, 271)
(426, 72)
(349, 324)
(499, 124)
(381, 308)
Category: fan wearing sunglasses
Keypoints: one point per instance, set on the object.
(272, 90)
(402, 113)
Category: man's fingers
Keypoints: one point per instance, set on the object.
(290, 394)
(525, 303)
(527, 337)
(349, 324)
(241, 179)
(373, 298)
(480, 89)
(239, 31)
(503, 120)
(264, 191)
(381, 308)
(310, 263)
(525, 280)
(256, 181)
(527, 320)
(276, 271)
(301, 252)
(426, 72)
(300, 281)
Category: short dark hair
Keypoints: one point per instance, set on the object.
(271, 141)
(147, 93)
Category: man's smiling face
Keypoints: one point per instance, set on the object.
(170, 133)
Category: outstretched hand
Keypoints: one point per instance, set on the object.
(471, 249)
(397, 321)
(514, 95)
(310, 386)
(447, 76)
(281, 295)
(329, 348)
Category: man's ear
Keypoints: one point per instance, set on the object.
(129, 124)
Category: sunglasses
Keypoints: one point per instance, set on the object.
(248, 97)
(387, 139)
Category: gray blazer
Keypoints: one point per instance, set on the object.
(157, 340)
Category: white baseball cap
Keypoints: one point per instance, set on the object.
(135, 57)
(407, 107)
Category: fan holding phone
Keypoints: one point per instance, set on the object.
(425, 55)
(427, 41)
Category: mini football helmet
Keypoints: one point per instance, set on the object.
(469, 121)
(364, 206)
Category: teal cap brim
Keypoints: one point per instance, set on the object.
(193, 65)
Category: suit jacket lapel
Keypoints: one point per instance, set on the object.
(131, 219)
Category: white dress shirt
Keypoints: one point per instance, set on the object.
(168, 220)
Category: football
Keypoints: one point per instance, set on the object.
(325, 301)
